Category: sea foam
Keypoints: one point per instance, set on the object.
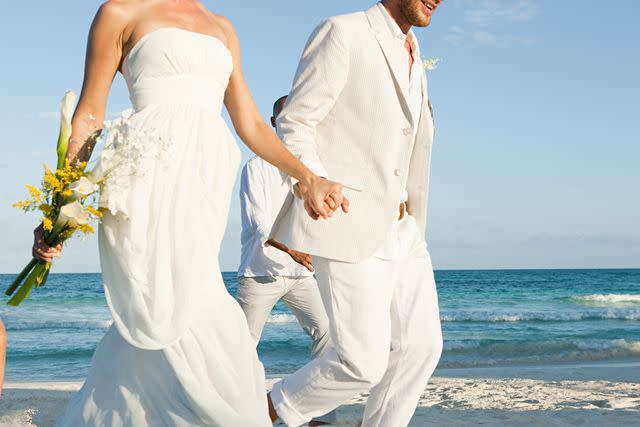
(282, 318)
(607, 299)
(540, 316)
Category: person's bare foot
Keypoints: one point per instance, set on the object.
(274, 415)
(272, 410)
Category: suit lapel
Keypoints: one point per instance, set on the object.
(426, 113)
(424, 86)
(426, 102)
(394, 57)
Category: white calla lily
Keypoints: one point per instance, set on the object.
(73, 214)
(66, 113)
(82, 188)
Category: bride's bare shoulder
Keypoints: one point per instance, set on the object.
(118, 9)
(223, 25)
(114, 15)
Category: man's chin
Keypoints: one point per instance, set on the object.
(422, 21)
(419, 19)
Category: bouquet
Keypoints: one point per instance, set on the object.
(68, 203)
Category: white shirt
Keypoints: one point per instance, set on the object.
(262, 193)
(414, 91)
(403, 236)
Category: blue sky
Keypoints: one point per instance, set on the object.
(536, 156)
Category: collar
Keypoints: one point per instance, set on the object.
(394, 29)
(392, 25)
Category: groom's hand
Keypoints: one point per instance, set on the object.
(321, 197)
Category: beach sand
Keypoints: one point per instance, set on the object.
(586, 395)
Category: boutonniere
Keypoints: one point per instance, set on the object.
(430, 64)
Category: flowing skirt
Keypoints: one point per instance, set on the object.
(179, 352)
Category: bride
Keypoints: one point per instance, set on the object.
(179, 352)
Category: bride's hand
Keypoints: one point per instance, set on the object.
(322, 197)
(40, 249)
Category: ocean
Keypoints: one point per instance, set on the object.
(489, 318)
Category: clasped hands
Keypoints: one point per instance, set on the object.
(321, 197)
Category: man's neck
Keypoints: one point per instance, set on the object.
(393, 7)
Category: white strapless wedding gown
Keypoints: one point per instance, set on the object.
(179, 352)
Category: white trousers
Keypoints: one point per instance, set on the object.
(385, 331)
(258, 295)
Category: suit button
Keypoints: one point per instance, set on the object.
(397, 172)
(406, 131)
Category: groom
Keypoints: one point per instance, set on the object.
(359, 114)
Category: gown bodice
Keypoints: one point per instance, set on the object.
(172, 66)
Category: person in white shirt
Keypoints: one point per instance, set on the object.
(269, 271)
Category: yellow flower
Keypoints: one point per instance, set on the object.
(23, 204)
(35, 193)
(86, 228)
(69, 174)
(50, 181)
(93, 211)
(47, 224)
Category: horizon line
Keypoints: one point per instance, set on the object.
(436, 270)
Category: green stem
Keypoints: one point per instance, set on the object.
(51, 238)
(21, 277)
(28, 285)
(42, 278)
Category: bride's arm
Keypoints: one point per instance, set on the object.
(104, 52)
(103, 57)
(322, 197)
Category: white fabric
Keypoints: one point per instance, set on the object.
(266, 274)
(400, 240)
(179, 352)
(262, 193)
(258, 295)
(414, 91)
(373, 306)
(348, 110)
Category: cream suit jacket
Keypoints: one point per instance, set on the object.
(347, 118)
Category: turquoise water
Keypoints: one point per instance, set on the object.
(490, 318)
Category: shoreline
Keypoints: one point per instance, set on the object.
(598, 394)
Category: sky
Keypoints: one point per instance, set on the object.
(535, 162)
